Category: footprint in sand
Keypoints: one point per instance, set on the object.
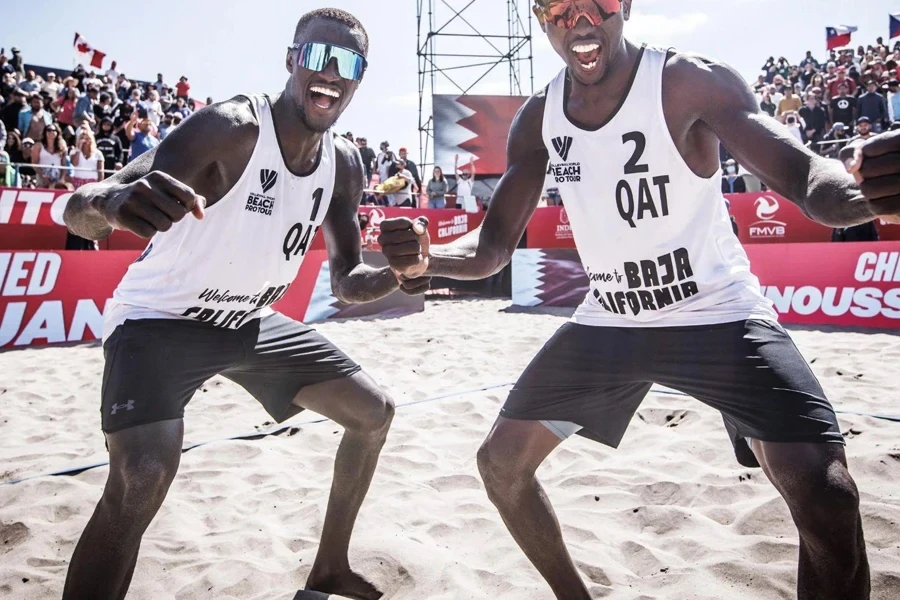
(594, 574)
(11, 535)
(639, 559)
(452, 483)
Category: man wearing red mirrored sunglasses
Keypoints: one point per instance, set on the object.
(631, 134)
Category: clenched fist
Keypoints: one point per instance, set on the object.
(405, 244)
(875, 163)
(152, 203)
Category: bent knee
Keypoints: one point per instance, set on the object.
(500, 468)
(832, 503)
(139, 485)
(376, 418)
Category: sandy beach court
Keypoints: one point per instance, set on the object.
(670, 515)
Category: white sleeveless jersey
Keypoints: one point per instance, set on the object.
(241, 258)
(655, 239)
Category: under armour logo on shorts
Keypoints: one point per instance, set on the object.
(127, 406)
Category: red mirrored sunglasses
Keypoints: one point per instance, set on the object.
(566, 13)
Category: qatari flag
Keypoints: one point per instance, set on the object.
(839, 36)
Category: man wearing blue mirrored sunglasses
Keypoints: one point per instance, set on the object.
(232, 200)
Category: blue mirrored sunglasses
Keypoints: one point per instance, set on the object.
(315, 56)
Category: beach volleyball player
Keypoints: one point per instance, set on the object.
(631, 134)
(232, 199)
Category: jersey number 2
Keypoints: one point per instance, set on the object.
(640, 144)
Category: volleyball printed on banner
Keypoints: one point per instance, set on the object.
(86, 54)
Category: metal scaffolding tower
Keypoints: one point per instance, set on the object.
(456, 57)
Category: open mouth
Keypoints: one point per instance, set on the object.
(324, 97)
(587, 54)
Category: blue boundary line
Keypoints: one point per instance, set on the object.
(282, 428)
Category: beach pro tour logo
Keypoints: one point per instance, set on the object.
(767, 226)
(562, 145)
(564, 172)
(261, 203)
(267, 179)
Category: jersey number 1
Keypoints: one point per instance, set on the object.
(296, 241)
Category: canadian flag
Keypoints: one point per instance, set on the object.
(85, 53)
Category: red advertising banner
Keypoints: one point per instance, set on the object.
(32, 220)
(767, 218)
(549, 228)
(762, 218)
(50, 297)
(849, 285)
(831, 284)
(32, 207)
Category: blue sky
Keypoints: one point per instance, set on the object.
(226, 48)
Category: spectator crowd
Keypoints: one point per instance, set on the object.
(854, 94)
(81, 126)
(397, 181)
(825, 105)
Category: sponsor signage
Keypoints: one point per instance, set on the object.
(763, 218)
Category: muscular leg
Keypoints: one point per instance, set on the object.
(365, 412)
(824, 502)
(143, 462)
(507, 460)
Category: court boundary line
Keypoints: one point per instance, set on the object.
(279, 429)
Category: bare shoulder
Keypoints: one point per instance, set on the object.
(699, 81)
(349, 176)
(234, 119)
(526, 133)
(347, 155)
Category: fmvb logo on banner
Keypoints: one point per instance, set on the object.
(767, 226)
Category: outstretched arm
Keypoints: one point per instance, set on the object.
(352, 281)
(489, 248)
(822, 188)
(189, 170)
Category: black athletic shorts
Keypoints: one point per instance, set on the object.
(154, 366)
(751, 371)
